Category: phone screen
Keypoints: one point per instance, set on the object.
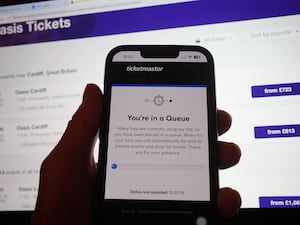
(159, 142)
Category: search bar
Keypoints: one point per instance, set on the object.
(34, 6)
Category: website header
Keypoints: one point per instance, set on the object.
(133, 20)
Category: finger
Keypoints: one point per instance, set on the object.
(82, 129)
(229, 202)
(229, 154)
(224, 121)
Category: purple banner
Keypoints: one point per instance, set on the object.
(143, 19)
(279, 131)
(279, 202)
(274, 90)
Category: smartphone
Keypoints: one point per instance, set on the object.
(158, 157)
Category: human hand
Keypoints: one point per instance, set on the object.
(229, 200)
(68, 174)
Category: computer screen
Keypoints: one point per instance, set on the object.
(50, 50)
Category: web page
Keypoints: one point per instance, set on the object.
(158, 143)
(44, 71)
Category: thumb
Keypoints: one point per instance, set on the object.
(81, 131)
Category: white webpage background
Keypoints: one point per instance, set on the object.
(242, 59)
(186, 173)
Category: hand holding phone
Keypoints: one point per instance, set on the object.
(158, 161)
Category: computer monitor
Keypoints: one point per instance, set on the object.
(50, 50)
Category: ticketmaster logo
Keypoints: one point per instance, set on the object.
(144, 68)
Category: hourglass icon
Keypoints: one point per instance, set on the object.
(158, 100)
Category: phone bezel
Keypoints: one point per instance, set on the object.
(209, 80)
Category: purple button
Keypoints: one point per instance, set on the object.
(279, 202)
(274, 90)
(279, 131)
